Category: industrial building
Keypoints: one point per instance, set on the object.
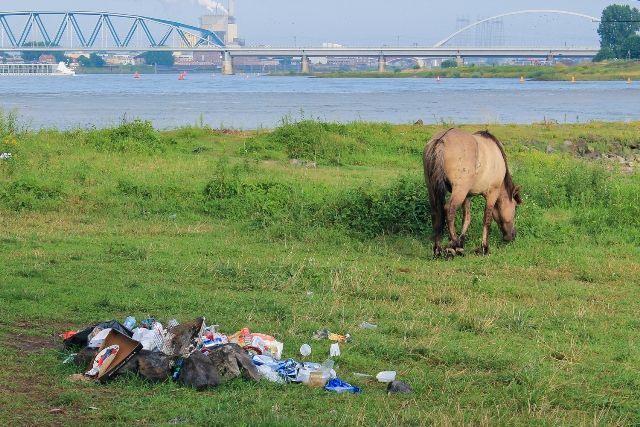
(223, 22)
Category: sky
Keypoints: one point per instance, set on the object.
(348, 22)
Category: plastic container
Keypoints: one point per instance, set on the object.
(318, 379)
(386, 376)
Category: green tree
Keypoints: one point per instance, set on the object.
(631, 47)
(618, 23)
(158, 58)
(449, 63)
(34, 55)
(93, 61)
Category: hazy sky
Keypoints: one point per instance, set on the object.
(354, 22)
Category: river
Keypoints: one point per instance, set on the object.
(250, 102)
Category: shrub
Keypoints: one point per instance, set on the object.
(134, 136)
(29, 194)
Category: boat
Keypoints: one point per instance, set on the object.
(36, 70)
(136, 75)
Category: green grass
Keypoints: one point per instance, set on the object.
(101, 224)
(621, 70)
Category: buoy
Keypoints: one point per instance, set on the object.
(438, 78)
(629, 81)
(521, 79)
(573, 79)
(181, 76)
(136, 76)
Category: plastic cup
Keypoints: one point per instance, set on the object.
(305, 350)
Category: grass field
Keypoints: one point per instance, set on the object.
(101, 224)
(621, 70)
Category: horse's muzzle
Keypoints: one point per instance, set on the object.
(511, 236)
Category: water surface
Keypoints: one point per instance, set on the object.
(248, 102)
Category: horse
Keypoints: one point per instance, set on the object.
(467, 165)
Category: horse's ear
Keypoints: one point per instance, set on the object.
(516, 194)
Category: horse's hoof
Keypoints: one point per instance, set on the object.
(482, 250)
(450, 252)
(460, 251)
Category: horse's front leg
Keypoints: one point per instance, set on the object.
(457, 198)
(491, 198)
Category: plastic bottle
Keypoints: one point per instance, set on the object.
(130, 323)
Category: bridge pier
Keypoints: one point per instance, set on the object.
(459, 60)
(421, 63)
(305, 64)
(381, 64)
(551, 57)
(227, 64)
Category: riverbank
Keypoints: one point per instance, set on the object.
(582, 72)
(322, 225)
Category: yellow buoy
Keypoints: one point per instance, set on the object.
(573, 79)
(629, 81)
(521, 79)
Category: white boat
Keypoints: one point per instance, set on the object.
(36, 70)
(63, 70)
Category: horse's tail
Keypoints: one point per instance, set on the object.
(436, 180)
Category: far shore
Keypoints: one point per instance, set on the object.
(627, 70)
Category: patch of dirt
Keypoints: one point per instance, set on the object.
(19, 336)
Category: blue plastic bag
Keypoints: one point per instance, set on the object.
(340, 386)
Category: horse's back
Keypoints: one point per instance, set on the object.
(491, 167)
(460, 156)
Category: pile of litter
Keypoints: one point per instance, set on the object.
(5, 156)
(198, 355)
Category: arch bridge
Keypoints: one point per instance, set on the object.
(99, 30)
(447, 39)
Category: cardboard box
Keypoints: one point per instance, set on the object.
(128, 349)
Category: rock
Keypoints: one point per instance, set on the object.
(550, 149)
(398, 387)
(199, 372)
(231, 361)
(311, 165)
(568, 144)
(152, 365)
(182, 342)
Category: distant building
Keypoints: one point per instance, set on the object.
(47, 59)
(224, 24)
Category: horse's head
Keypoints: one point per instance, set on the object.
(505, 212)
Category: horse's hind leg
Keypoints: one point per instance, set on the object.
(457, 198)
(437, 221)
(466, 222)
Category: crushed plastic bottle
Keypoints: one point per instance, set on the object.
(270, 375)
(367, 325)
(130, 323)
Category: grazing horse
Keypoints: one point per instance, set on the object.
(467, 165)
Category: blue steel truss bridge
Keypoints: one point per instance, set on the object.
(99, 31)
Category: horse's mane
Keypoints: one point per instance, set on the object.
(508, 180)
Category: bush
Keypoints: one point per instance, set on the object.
(29, 194)
(313, 140)
(134, 136)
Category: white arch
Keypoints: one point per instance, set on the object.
(519, 12)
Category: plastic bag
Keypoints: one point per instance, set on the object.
(340, 386)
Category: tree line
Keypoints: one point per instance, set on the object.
(618, 31)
